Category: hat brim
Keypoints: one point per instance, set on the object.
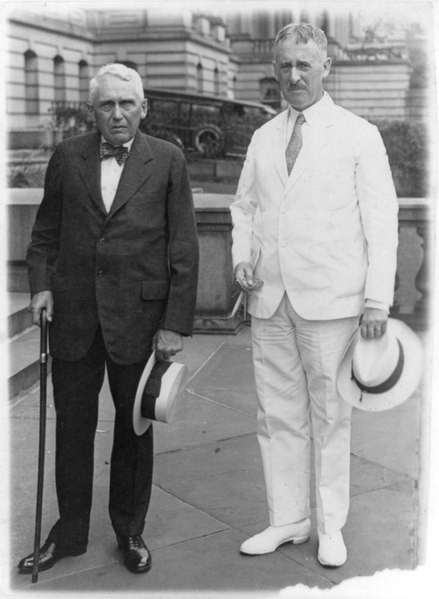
(401, 391)
(172, 384)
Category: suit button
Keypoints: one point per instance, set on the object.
(102, 241)
(100, 273)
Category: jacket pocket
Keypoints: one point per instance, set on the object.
(154, 290)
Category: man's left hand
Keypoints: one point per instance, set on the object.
(166, 344)
(373, 323)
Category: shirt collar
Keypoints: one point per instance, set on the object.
(127, 144)
(312, 113)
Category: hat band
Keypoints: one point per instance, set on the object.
(152, 389)
(390, 382)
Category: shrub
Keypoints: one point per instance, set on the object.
(406, 146)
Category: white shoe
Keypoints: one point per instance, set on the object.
(332, 550)
(273, 536)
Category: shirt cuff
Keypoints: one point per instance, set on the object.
(369, 303)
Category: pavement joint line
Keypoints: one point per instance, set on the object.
(67, 575)
(26, 394)
(22, 334)
(205, 512)
(198, 509)
(367, 461)
(324, 575)
(200, 368)
(195, 394)
(361, 494)
(189, 540)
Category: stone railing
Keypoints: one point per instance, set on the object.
(246, 47)
(217, 291)
(415, 262)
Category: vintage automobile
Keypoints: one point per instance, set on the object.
(208, 126)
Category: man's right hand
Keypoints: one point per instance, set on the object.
(245, 277)
(42, 299)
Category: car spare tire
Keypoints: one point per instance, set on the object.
(209, 141)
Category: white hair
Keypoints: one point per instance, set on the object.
(303, 33)
(121, 72)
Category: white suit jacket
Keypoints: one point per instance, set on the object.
(326, 235)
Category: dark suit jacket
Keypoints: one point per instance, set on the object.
(131, 271)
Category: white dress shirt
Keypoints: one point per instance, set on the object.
(111, 171)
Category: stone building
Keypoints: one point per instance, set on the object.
(51, 56)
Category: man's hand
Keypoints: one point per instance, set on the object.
(166, 344)
(373, 323)
(245, 277)
(42, 299)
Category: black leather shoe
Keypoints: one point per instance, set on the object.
(49, 555)
(137, 557)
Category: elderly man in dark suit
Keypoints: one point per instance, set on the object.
(113, 259)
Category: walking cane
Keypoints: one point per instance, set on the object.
(42, 442)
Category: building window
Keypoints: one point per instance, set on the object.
(59, 79)
(31, 82)
(83, 81)
(216, 81)
(231, 89)
(200, 78)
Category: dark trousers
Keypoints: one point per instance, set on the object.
(76, 388)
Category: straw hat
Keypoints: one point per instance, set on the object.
(381, 373)
(160, 385)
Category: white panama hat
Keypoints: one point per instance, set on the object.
(159, 387)
(381, 373)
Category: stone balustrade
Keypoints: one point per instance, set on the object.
(217, 291)
(413, 283)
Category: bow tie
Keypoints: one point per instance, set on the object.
(109, 151)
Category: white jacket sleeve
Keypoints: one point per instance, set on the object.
(379, 216)
(244, 208)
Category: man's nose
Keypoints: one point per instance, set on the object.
(117, 113)
(294, 76)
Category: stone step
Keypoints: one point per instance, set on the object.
(24, 361)
(24, 346)
(19, 319)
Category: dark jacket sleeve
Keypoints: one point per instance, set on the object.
(43, 249)
(183, 250)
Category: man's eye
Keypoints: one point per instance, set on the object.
(127, 105)
(285, 68)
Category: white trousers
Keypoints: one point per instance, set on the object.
(295, 365)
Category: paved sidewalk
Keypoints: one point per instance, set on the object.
(208, 493)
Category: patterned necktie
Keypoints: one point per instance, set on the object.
(295, 143)
(107, 150)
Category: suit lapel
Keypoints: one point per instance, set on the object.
(279, 148)
(138, 168)
(90, 170)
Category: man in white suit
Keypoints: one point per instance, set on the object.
(314, 244)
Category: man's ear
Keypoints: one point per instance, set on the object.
(144, 107)
(273, 64)
(327, 67)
